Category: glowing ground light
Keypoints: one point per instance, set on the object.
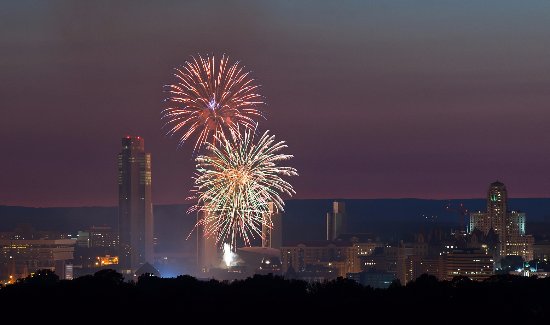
(228, 255)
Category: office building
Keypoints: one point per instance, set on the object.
(103, 236)
(508, 225)
(83, 239)
(336, 220)
(340, 257)
(97, 236)
(473, 263)
(21, 257)
(417, 265)
(135, 213)
(272, 237)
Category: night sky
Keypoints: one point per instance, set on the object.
(376, 99)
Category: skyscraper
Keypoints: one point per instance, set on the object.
(135, 210)
(336, 220)
(272, 237)
(497, 208)
(508, 225)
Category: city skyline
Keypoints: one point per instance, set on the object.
(358, 244)
(265, 161)
(424, 100)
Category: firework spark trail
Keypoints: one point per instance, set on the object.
(235, 182)
(210, 97)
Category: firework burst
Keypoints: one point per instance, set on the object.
(210, 97)
(234, 183)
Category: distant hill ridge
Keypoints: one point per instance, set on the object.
(310, 212)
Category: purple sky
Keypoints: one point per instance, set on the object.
(376, 99)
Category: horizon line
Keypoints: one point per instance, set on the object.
(307, 199)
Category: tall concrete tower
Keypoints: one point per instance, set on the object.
(508, 225)
(135, 210)
(497, 209)
(272, 237)
(336, 220)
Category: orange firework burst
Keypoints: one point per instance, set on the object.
(210, 97)
(236, 181)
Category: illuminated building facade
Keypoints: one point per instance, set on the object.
(340, 257)
(103, 236)
(336, 220)
(83, 239)
(434, 254)
(21, 257)
(417, 265)
(476, 264)
(269, 265)
(508, 225)
(98, 236)
(135, 212)
(473, 263)
(106, 260)
(382, 259)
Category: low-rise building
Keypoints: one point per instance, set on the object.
(473, 263)
(341, 257)
(21, 257)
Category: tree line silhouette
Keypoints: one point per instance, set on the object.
(105, 296)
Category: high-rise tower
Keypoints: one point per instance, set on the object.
(497, 207)
(336, 220)
(272, 237)
(508, 225)
(135, 210)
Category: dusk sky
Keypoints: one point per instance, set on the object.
(376, 99)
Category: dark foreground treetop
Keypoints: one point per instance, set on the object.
(271, 299)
